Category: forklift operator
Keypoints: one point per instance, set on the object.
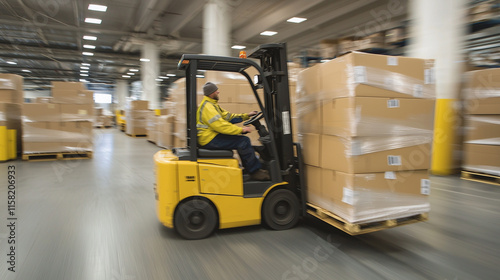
(216, 131)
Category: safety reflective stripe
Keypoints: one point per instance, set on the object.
(215, 118)
(201, 110)
(228, 117)
(201, 126)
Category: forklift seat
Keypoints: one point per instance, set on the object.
(205, 153)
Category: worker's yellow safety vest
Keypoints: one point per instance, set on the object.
(211, 120)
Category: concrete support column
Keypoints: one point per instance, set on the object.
(217, 28)
(121, 93)
(438, 32)
(150, 70)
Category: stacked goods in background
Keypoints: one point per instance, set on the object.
(484, 10)
(482, 122)
(11, 99)
(366, 125)
(102, 118)
(157, 128)
(62, 126)
(136, 116)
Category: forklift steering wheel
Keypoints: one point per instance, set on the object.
(254, 119)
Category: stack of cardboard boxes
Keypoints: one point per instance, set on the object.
(366, 124)
(160, 126)
(64, 125)
(482, 122)
(136, 117)
(102, 119)
(11, 98)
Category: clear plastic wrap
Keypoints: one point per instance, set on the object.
(488, 169)
(362, 198)
(57, 137)
(366, 145)
(482, 129)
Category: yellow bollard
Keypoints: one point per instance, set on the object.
(11, 143)
(3, 144)
(445, 126)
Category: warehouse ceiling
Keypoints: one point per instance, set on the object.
(43, 40)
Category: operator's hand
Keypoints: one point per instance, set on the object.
(253, 113)
(246, 129)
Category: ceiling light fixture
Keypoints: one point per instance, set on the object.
(200, 76)
(131, 74)
(84, 75)
(89, 46)
(171, 75)
(12, 62)
(86, 64)
(296, 19)
(159, 80)
(238, 47)
(99, 8)
(93, 20)
(163, 77)
(88, 53)
(134, 70)
(84, 71)
(145, 59)
(90, 38)
(125, 76)
(268, 33)
(83, 81)
(26, 70)
(84, 67)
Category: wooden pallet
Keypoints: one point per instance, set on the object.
(57, 156)
(102, 126)
(481, 177)
(137, 135)
(122, 127)
(361, 228)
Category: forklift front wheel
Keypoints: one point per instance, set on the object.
(195, 219)
(281, 210)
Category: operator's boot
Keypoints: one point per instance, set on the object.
(260, 175)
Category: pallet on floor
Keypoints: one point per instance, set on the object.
(57, 156)
(361, 228)
(481, 177)
(103, 126)
(137, 135)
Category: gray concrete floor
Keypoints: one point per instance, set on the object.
(95, 219)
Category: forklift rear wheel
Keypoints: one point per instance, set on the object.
(281, 210)
(195, 219)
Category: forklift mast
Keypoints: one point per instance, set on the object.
(273, 61)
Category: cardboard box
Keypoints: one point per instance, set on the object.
(228, 93)
(483, 106)
(40, 137)
(152, 136)
(482, 129)
(372, 75)
(374, 154)
(62, 86)
(33, 112)
(77, 112)
(369, 116)
(395, 35)
(138, 105)
(482, 158)
(136, 127)
(313, 182)
(11, 96)
(374, 196)
(11, 81)
(76, 136)
(311, 148)
(165, 140)
(73, 96)
(309, 84)
(43, 99)
(179, 143)
(482, 94)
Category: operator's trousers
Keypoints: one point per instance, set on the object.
(237, 142)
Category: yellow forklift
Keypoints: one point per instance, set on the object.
(199, 190)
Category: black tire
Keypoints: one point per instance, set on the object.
(280, 210)
(195, 219)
